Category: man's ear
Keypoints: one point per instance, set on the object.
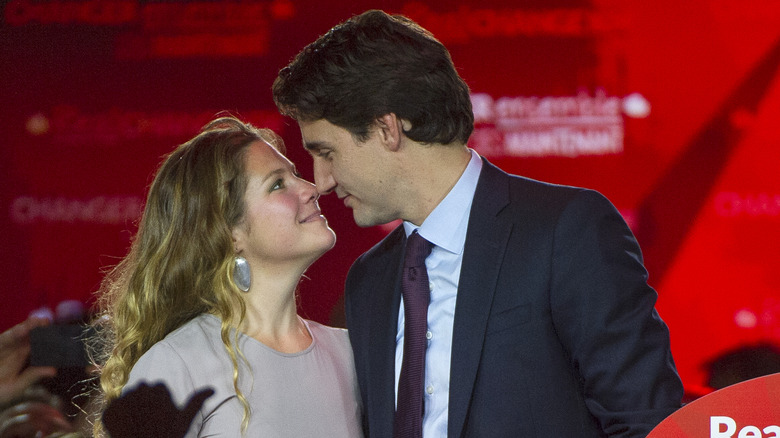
(390, 130)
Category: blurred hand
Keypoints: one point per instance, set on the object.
(33, 419)
(14, 351)
(149, 412)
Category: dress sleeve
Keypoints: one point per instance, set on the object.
(604, 313)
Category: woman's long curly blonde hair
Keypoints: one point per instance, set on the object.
(181, 260)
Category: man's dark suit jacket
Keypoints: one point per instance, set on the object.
(555, 332)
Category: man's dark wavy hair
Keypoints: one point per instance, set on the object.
(371, 65)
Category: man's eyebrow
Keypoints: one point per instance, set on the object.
(314, 146)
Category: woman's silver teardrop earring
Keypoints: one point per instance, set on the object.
(241, 274)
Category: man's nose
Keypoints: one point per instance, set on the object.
(323, 178)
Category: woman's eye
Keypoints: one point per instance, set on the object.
(278, 184)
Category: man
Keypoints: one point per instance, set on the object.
(540, 322)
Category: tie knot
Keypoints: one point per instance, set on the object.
(417, 250)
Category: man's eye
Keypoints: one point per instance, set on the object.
(278, 184)
(323, 154)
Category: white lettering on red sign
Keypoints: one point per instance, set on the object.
(726, 427)
(566, 126)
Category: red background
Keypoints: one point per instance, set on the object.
(94, 92)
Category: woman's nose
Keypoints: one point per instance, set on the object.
(309, 191)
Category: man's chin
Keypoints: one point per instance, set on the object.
(363, 218)
(365, 221)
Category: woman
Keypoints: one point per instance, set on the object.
(207, 295)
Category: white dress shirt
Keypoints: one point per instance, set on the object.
(446, 228)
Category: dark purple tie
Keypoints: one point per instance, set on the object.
(416, 293)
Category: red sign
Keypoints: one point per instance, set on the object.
(749, 409)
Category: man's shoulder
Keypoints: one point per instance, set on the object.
(375, 265)
(493, 176)
(385, 247)
(530, 201)
(523, 192)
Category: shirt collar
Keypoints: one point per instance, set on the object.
(446, 226)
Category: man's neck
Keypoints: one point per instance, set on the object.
(433, 170)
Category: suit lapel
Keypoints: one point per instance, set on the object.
(386, 301)
(486, 241)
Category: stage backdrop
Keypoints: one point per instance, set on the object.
(668, 108)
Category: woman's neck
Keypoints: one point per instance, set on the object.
(271, 315)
